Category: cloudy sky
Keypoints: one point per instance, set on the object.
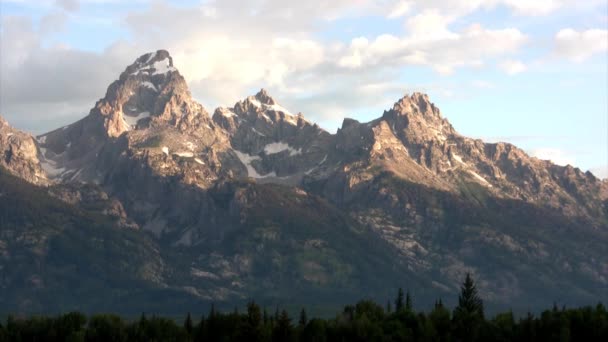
(530, 72)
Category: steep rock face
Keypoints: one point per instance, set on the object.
(415, 143)
(149, 93)
(255, 185)
(273, 144)
(19, 154)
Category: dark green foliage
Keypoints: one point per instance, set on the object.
(106, 328)
(468, 315)
(303, 318)
(283, 330)
(408, 302)
(188, 325)
(364, 321)
(399, 300)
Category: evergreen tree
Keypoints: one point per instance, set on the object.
(213, 330)
(399, 301)
(265, 316)
(188, 326)
(303, 318)
(388, 307)
(283, 329)
(469, 300)
(469, 314)
(252, 330)
(408, 302)
(200, 330)
(440, 321)
(3, 333)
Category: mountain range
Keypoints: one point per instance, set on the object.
(151, 202)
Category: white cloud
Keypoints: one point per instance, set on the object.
(535, 7)
(227, 49)
(580, 45)
(400, 9)
(555, 155)
(512, 67)
(432, 46)
(69, 5)
(429, 25)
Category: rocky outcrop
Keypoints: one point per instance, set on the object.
(19, 154)
(438, 203)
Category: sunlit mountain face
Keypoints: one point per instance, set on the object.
(153, 202)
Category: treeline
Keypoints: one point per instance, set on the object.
(365, 321)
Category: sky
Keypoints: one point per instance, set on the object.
(532, 73)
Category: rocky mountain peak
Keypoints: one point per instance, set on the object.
(416, 103)
(265, 98)
(152, 63)
(149, 90)
(416, 120)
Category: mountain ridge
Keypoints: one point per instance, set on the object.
(253, 199)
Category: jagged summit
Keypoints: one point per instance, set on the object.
(416, 103)
(152, 63)
(264, 97)
(439, 203)
(152, 104)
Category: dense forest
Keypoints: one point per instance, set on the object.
(364, 321)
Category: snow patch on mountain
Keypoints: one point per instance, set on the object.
(150, 85)
(278, 147)
(480, 179)
(184, 154)
(50, 167)
(162, 67)
(226, 112)
(246, 159)
(458, 159)
(131, 121)
(258, 132)
(278, 108)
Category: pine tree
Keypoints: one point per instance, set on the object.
(408, 301)
(399, 301)
(388, 307)
(283, 329)
(212, 310)
(252, 329)
(265, 316)
(188, 325)
(212, 332)
(468, 300)
(200, 331)
(469, 314)
(439, 318)
(303, 318)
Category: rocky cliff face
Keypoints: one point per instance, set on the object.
(255, 185)
(415, 143)
(19, 154)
